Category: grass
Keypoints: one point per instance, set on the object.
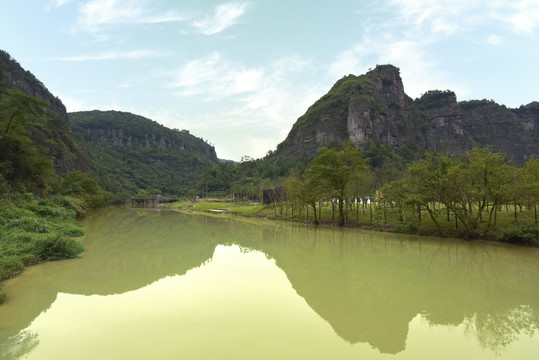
(34, 230)
(218, 205)
(506, 229)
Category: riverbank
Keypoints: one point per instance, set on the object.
(521, 231)
(34, 230)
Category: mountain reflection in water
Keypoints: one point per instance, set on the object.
(367, 286)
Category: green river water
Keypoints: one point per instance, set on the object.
(165, 285)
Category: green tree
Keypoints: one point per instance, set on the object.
(479, 180)
(76, 183)
(333, 171)
(17, 105)
(530, 183)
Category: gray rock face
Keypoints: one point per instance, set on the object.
(374, 107)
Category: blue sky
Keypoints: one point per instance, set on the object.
(238, 74)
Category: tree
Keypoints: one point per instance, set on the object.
(479, 180)
(76, 183)
(530, 183)
(427, 179)
(333, 171)
(18, 105)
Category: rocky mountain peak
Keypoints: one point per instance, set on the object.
(374, 107)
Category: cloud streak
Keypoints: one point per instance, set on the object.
(113, 55)
(224, 16)
(94, 15)
(215, 78)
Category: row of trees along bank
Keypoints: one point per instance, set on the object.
(440, 194)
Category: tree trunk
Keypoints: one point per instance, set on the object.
(9, 123)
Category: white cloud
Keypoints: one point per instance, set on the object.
(216, 78)
(261, 101)
(450, 16)
(495, 40)
(114, 55)
(99, 12)
(523, 15)
(95, 14)
(59, 3)
(225, 16)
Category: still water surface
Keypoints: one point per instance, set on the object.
(164, 285)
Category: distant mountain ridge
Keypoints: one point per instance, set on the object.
(122, 151)
(374, 107)
(128, 152)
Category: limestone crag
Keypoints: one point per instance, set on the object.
(375, 107)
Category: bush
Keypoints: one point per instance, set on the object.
(79, 184)
(72, 230)
(29, 224)
(10, 266)
(2, 296)
(409, 227)
(73, 203)
(523, 234)
(56, 248)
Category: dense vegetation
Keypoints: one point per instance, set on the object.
(42, 187)
(128, 153)
(35, 140)
(478, 194)
(34, 229)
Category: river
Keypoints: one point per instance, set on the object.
(166, 285)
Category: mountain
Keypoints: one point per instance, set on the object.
(128, 152)
(36, 142)
(373, 107)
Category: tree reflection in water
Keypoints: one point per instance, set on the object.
(367, 286)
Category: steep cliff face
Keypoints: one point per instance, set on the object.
(529, 115)
(128, 152)
(14, 76)
(49, 132)
(382, 111)
(374, 107)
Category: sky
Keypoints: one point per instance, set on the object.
(240, 73)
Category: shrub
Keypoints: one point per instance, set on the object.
(72, 230)
(10, 266)
(523, 234)
(409, 227)
(73, 203)
(2, 296)
(29, 224)
(56, 248)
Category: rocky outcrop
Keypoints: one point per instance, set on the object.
(375, 107)
(14, 76)
(116, 137)
(50, 133)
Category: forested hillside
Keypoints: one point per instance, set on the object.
(128, 152)
(35, 139)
